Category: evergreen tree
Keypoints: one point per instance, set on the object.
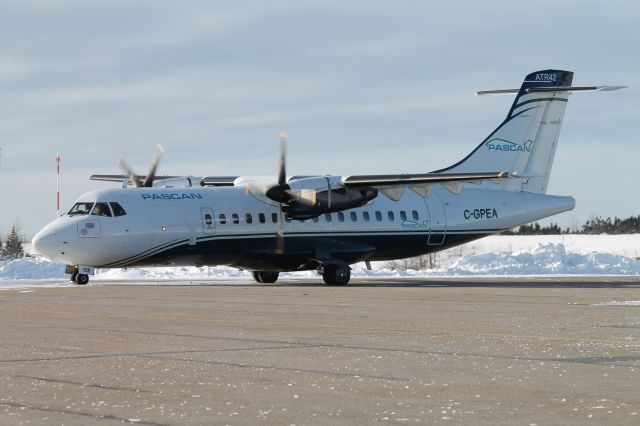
(13, 245)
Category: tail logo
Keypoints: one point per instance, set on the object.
(546, 77)
(497, 144)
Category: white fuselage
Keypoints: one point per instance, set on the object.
(231, 225)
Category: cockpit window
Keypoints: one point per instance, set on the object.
(117, 209)
(101, 209)
(80, 208)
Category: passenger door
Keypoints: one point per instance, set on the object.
(437, 220)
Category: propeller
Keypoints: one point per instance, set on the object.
(282, 177)
(135, 179)
(282, 193)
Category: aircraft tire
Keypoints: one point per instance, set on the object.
(336, 274)
(82, 279)
(265, 277)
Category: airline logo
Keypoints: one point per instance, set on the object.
(502, 145)
(412, 224)
(171, 196)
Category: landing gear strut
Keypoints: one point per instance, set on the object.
(336, 274)
(265, 277)
(76, 276)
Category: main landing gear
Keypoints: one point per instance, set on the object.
(336, 273)
(265, 277)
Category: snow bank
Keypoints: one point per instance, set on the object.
(627, 245)
(31, 268)
(549, 258)
(545, 259)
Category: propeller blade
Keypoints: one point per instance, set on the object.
(282, 177)
(280, 232)
(129, 172)
(148, 181)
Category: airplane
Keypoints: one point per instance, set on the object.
(268, 225)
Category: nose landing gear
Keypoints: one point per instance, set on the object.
(79, 275)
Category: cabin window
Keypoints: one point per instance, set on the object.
(403, 215)
(261, 218)
(316, 219)
(222, 219)
(101, 209)
(117, 209)
(340, 217)
(235, 219)
(378, 216)
(248, 218)
(414, 214)
(365, 216)
(327, 217)
(208, 219)
(274, 217)
(354, 217)
(80, 208)
(287, 219)
(390, 216)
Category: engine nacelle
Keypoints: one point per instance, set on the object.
(329, 201)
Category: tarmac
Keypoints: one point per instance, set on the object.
(400, 351)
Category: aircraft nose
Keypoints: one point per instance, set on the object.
(45, 243)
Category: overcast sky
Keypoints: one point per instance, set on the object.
(360, 87)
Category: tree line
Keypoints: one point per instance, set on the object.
(598, 225)
(11, 246)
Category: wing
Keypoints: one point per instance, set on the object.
(394, 185)
(203, 181)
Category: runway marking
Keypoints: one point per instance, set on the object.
(80, 413)
(303, 345)
(271, 367)
(86, 385)
(440, 331)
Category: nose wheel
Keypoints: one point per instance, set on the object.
(78, 278)
(82, 279)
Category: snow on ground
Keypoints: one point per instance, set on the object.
(622, 303)
(496, 255)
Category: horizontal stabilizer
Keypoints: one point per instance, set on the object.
(552, 89)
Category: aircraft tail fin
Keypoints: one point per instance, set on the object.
(525, 143)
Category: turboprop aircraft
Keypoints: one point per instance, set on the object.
(317, 222)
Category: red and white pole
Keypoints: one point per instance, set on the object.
(58, 185)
